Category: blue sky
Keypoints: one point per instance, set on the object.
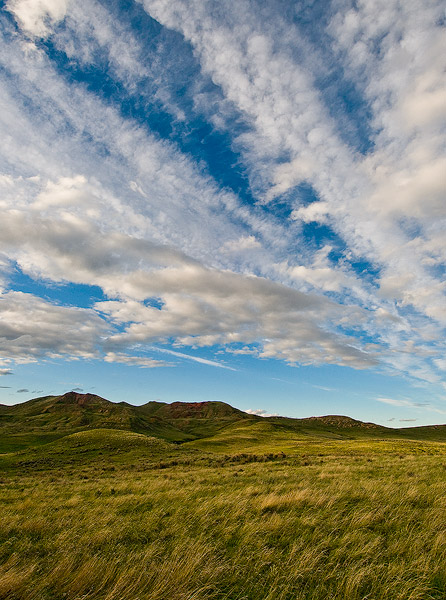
(225, 201)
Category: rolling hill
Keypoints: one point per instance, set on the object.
(42, 420)
(203, 424)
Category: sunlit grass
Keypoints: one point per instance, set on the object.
(343, 522)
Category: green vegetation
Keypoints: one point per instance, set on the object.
(255, 511)
(46, 419)
(42, 420)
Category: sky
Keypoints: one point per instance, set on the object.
(216, 200)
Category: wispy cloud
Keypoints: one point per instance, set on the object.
(411, 404)
(204, 361)
(324, 388)
(249, 58)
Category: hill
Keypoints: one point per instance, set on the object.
(205, 424)
(45, 419)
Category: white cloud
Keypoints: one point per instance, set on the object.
(256, 74)
(204, 307)
(36, 17)
(396, 402)
(31, 329)
(248, 242)
(324, 278)
(171, 190)
(260, 412)
(440, 363)
(67, 192)
(316, 211)
(395, 53)
(411, 404)
(374, 202)
(140, 361)
(362, 198)
(246, 350)
(201, 306)
(203, 361)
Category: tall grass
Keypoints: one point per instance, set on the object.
(330, 525)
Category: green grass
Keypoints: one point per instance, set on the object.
(113, 515)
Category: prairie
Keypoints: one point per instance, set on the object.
(107, 514)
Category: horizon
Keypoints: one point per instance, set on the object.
(209, 201)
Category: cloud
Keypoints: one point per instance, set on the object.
(246, 350)
(22, 390)
(204, 361)
(244, 243)
(440, 363)
(316, 211)
(36, 17)
(5, 372)
(32, 328)
(396, 402)
(204, 307)
(201, 306)
(324, 278)
(411, 404)
(366, 199)
(140, 361)
(178, 190)
(325, 389)
(393, 53)
(260, 412)
(276, 96)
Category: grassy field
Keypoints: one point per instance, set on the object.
(113, 515)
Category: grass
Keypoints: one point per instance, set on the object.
(113, 515)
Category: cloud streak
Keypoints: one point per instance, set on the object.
(203, 361)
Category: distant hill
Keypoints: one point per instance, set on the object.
(340, 421)
(48, 418)
(42, 420)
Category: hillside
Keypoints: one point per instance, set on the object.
(43, 420)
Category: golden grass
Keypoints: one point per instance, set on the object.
(330, 527)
